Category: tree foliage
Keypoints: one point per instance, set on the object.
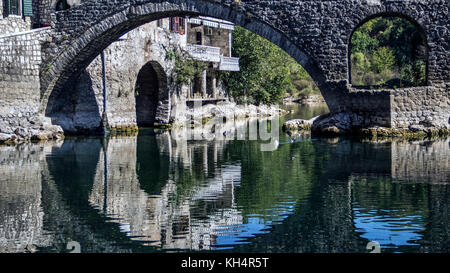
(388, 51)
(186, 67)
(383, 59)
(266, 74)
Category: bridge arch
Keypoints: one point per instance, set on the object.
(78, 50)
(404, 16)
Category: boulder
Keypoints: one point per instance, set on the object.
(4, 137)
(336, 124)
(298, 124)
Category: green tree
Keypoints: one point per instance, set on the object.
(361, 69)
(383, 59)
(266, 72)
(414, 73)
(363, 43)
(186, 67)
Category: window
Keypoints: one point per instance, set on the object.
(11, 7)
(159, 23)
(27, 8)
(176, 24)
(17, 7)
(14, 8)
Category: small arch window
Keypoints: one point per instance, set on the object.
(62, 5)
(388, 52)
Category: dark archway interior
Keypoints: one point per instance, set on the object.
(76, 108)
(146, 93)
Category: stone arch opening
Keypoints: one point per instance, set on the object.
(388, 50)
(150, 94)
(76, 108)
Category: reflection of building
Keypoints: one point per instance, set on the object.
(190, 222)
(421, 161)
(21, 212)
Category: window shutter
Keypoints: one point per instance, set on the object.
(8, 7)
(27, 8)
(13, 7)
(176, 25)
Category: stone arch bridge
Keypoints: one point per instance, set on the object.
(315, 33)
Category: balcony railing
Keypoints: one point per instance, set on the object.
(212, 54)
(204, 53)
(229, 64)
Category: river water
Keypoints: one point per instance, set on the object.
(154, 192)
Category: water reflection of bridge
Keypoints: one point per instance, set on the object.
(175, 194)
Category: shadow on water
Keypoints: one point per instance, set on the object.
(155, 192)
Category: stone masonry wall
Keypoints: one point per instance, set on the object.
(424, 106)
(42, 10)
(19, 74)
(21, 212)
(19, 84)
(14, 24)
(218, 37)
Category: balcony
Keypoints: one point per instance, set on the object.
(212, 54)
(204, 53)
(229, 64)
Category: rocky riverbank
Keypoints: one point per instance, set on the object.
(39, 128)
(229, 109)
(352, 124)
(24, 129)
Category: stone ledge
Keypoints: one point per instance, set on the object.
(403, 132)
(13, 139)
(349, 124)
